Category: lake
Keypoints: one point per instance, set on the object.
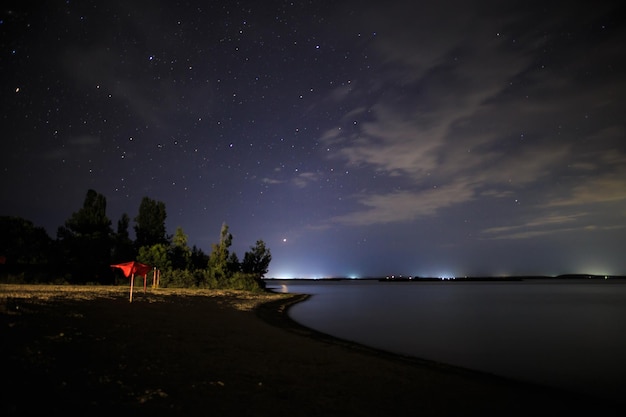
(569, 334)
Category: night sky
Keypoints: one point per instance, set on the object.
(356, 138)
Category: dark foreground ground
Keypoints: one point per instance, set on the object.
(168, 353)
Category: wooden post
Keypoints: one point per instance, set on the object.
(132, 281)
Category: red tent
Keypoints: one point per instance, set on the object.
(131, 269)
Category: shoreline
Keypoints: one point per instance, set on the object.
(229, 354)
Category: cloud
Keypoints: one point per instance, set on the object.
(300, 180)
(390, 143)
(153, 97)
(605, 189)
(75, 146)
(305, 178)
(596, 178)
(479, 112)
(537, 227)
(549, 226)
(403, 206)
(433, 149)
(271, 181)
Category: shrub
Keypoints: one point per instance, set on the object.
(177, 278)
(243, 281)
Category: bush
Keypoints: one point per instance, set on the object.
(242, 281)
(202, 278)
(178, 278)
(206, 280)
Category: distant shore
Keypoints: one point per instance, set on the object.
(185, 352)
(404, 278)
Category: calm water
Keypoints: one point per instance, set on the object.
(568, 334)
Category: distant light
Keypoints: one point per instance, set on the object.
(446, 276)
(283, 276)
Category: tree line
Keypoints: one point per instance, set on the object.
(86, 246)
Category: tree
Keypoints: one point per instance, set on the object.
(198, 259)
(218, 260)
(123, 249)
(257, 261)
(180, 253)
(25, 249)
(150, 223)
(91, 219)
(233, 264)
(86, 241)
(155, 256)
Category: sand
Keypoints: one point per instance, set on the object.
(208, 353)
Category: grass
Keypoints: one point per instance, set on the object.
(239, 300)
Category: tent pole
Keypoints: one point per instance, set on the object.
(132, 281)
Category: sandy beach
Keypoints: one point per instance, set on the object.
(183, 352)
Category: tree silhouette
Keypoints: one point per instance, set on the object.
(180, 253)
(25, 249)
(123, 246)
(150, 223)
(257, 260)
(86, 241)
